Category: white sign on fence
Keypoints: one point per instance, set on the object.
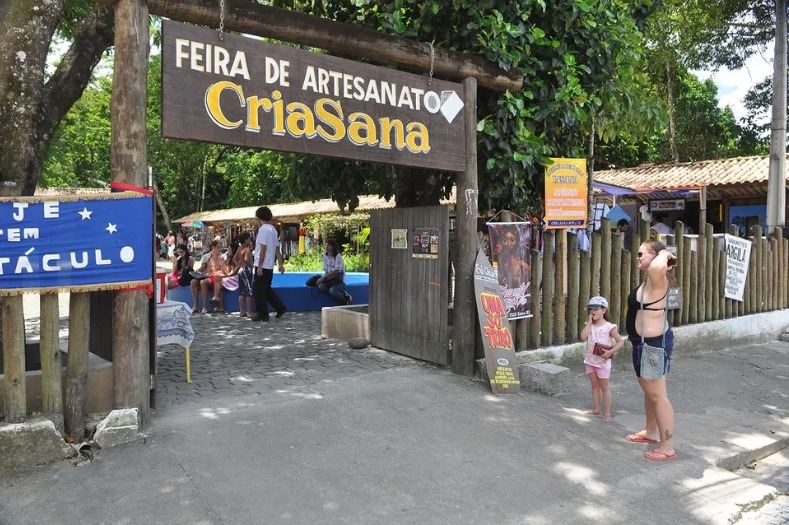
(738, 253)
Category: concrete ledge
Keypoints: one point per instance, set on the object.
(345, 322)
(34, 442)
(544, 378)
(119, 427)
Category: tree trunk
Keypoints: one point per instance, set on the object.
(419, 187)
(672, 117)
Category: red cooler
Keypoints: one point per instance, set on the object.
(161, 285)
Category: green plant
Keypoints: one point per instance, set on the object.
(309, 261)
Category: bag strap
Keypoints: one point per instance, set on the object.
(665, 316)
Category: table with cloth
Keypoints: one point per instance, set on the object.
(174, 327)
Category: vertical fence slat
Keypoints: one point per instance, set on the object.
(679, 239)
(785, 273)
(716, 281)
(701, 279)
(687, 264)
(708, 275)
(51, 368)
(772, 263)
(693, 311)
(594, 287)
(560, 313)
(605, 258)
(77, 369)
(615, 294)
(625, 288)
(731, 308)
(14, 359)
(536, 299)
(572, 286)
(547, 287)
(584, 286)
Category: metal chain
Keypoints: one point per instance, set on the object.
(221, 19)
(432, 61)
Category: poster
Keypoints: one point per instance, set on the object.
(424, 243)
(399, 239)
(511, 251)
(738, 255)
(566, 187)
(500, 357)
(75, 243)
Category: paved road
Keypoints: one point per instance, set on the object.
(281, 426)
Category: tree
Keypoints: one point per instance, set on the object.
(32, 106)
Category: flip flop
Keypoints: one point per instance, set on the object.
(213, 300)
(204, 311)
(591, 412)
(195, 310)
(607, 418)
(217, 311)
(654, 455)
(638, 438)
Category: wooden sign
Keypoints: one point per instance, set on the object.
(248, 92)
(500, 358)
(674, 299)
(667, 205)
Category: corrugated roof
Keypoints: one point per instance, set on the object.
(710, 173)
(294, 212)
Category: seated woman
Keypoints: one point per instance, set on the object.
(182, 265)
(333, 280)
(229, 279)
(212, 280)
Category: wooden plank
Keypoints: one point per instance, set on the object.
(693, 313)
(14, 386)
(595, 257)
(626, 266)
(717, 291)
(77, 370)
(128, 164)
(572, 286)
(51, 368)
(679, 233)
(535, 323)
(615, 294)
(559, 312)
(584, 288)
(709, 272)
(686, 271)
(547, 287)
(605, 258)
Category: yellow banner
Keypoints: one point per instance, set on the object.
(566, 203)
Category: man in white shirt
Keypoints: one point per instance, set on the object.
(266, 254)
(659, 228)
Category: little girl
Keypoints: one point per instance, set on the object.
(600, 329)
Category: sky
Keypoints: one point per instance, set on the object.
(734, 85)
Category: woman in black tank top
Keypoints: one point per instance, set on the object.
(652, 296)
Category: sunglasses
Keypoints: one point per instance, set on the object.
(641, 254)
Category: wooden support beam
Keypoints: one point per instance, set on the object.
(130, 334)
(51, 368)
(248, 17)
(76, 402)
(463, 347)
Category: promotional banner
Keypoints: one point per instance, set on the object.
(500, 356)
(738, 255)
(566, 187)
(248, 92)
(511, 251)
(75, 243)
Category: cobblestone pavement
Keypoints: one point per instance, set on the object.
(232, 357)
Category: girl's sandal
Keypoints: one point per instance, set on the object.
(204, 311)
(591, 412)
(607, 418)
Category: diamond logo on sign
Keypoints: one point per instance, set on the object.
(450, 105)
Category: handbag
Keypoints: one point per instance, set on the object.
(595, 357)
(600, 349)
(313, 281)
(653, 358)
(337, 279)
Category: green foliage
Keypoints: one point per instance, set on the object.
(309, 261)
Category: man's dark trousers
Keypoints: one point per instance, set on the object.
(264, 294)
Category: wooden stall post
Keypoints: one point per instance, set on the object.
(14, 359)
(686, 263)
(51, 368)
(465, 304)
(560, 261)
(717, 290)
(584, 287)
(594, 286)
(130, 334)
(679, 236)
(615, 295)
(708, 273)
(626, 266)
(605, 258)
(756, 254)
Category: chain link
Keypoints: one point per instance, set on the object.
(221, 19)
(432, 61)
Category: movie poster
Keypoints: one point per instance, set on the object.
(511, 252)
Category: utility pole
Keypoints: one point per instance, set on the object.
(776, 185)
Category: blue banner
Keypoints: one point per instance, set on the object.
(76, 243)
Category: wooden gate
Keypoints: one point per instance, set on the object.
(409, 268)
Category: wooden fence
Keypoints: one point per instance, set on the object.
(563, 279)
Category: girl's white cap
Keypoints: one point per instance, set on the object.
(597, 302)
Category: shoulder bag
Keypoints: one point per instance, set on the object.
(653, 357)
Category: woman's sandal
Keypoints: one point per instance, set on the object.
(195, 310)
(217, 311)
(204, 311)
(592, 412)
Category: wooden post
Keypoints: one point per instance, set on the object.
(594, 261)
(693, 311)
(626, 266)
(559, 315)
(583, 287)
(772, 264)
(679, 233)
(756, 255)
(130, 334)
(572, 286)
(685, 262)
(615, 296)
(708, 269)
(77, 370)
(467, 209)
(716, 280)
(605, 258)
(701, 278)
(51, 368)
(14, 359)
(536, 299)
(702, 211)
(547, 287)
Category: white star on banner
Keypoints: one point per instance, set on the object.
(111, 228)
(85, 213)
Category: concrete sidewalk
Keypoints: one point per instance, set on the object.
(404, 442)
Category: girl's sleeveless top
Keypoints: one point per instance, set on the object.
(600, 334)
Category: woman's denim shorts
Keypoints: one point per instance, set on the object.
(653, 341)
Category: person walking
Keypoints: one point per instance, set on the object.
(332, 281)
(647, 324)
(267, 252)
(602, 342)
